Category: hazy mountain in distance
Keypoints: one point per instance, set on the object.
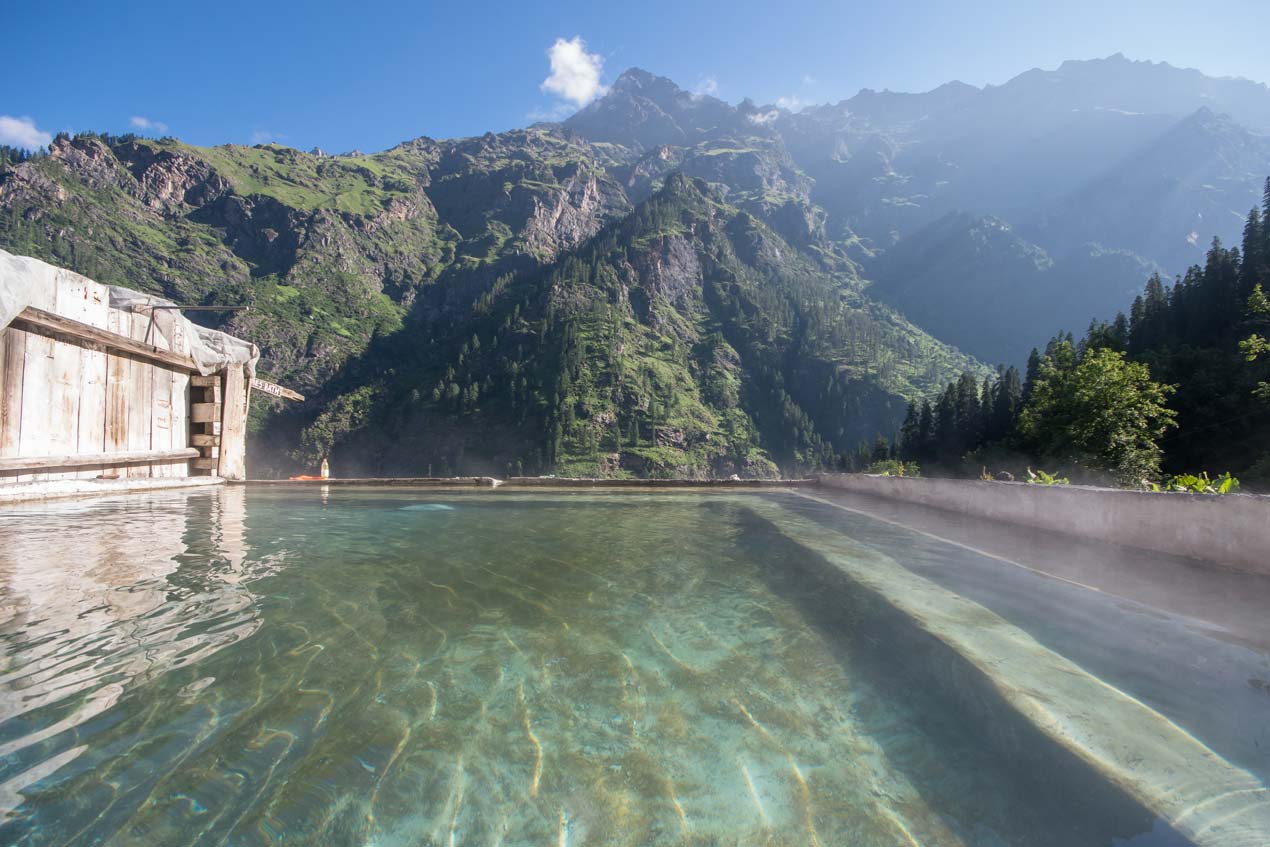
(1088, 163)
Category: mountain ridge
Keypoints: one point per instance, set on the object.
(369, 275)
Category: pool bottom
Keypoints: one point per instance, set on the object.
(403, 668)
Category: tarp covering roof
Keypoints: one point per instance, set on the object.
(28, 282)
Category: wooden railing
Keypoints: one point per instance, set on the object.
(95, 335)
(93, 460)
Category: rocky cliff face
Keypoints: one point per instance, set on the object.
(373, 282)
(731, 319)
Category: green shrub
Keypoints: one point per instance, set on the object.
(1201, 484)
(894, 467)
(1043, 478)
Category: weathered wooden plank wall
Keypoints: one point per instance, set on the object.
(62, 396)
(233, 436)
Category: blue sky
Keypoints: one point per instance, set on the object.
(367, 75)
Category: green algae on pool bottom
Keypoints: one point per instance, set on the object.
(404, 667)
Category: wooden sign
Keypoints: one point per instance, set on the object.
(258, 384)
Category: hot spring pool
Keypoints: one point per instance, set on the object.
(408, 667)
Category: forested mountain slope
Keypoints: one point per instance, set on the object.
(371, 279)
(992, 216)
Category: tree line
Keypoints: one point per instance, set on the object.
(1179, 384)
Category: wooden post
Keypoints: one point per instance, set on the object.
(233, 433)
(14, 358)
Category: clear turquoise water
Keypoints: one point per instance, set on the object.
(402, 667)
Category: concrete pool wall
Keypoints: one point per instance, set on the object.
(1059, 722)
(1231, 530)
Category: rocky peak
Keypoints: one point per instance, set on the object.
(643, 110)
(166, 180)
(639, 81)
(89, 158)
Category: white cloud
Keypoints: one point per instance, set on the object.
(790, 104)
(558, 112)
(147, 125)
(575, 73)
(707, 85)
(808, 79)
(22, 132)
(764, 117)
(265, 136)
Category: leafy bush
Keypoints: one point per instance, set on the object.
(1043, 478)
(1224, 484)
(894, 467)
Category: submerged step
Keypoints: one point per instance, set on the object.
(1120, 739)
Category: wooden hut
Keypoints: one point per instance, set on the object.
(104, 389)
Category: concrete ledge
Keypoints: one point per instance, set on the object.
(574, 482)
(25, 492)
(1018, 692)
(544, 482)
(1231, 530)
(446, 481)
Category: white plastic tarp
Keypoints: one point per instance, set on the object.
(25, 281)
(210, 349)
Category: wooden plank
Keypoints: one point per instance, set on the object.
(179, 391)
(205, 464)
(162, 436)
(14, 342)
(83, 300)
(137, 346)
(204, 439)
(79, 460)
(37, 430)
(233, 435)
(258, 384)
(180, 418)
(117, 370)
(65, 366)
(4, 395)
(36, 375)
(209, 381)
(140, 398)
(205, 412)
(211, 393)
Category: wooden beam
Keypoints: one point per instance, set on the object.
(204, 412)
(263, 385)
(48, 321)
(233, 434)
(134, 457)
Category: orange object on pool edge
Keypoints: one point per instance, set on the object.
(304, 477)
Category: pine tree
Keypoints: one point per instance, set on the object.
(1032, 372)
(985, 408)
(910, 434)
(1007, 400)
(1253, 268)
(947, 442)
(926, 433)
(1265, 228)
(881, 450)
(968, 413)
(1120, 331)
